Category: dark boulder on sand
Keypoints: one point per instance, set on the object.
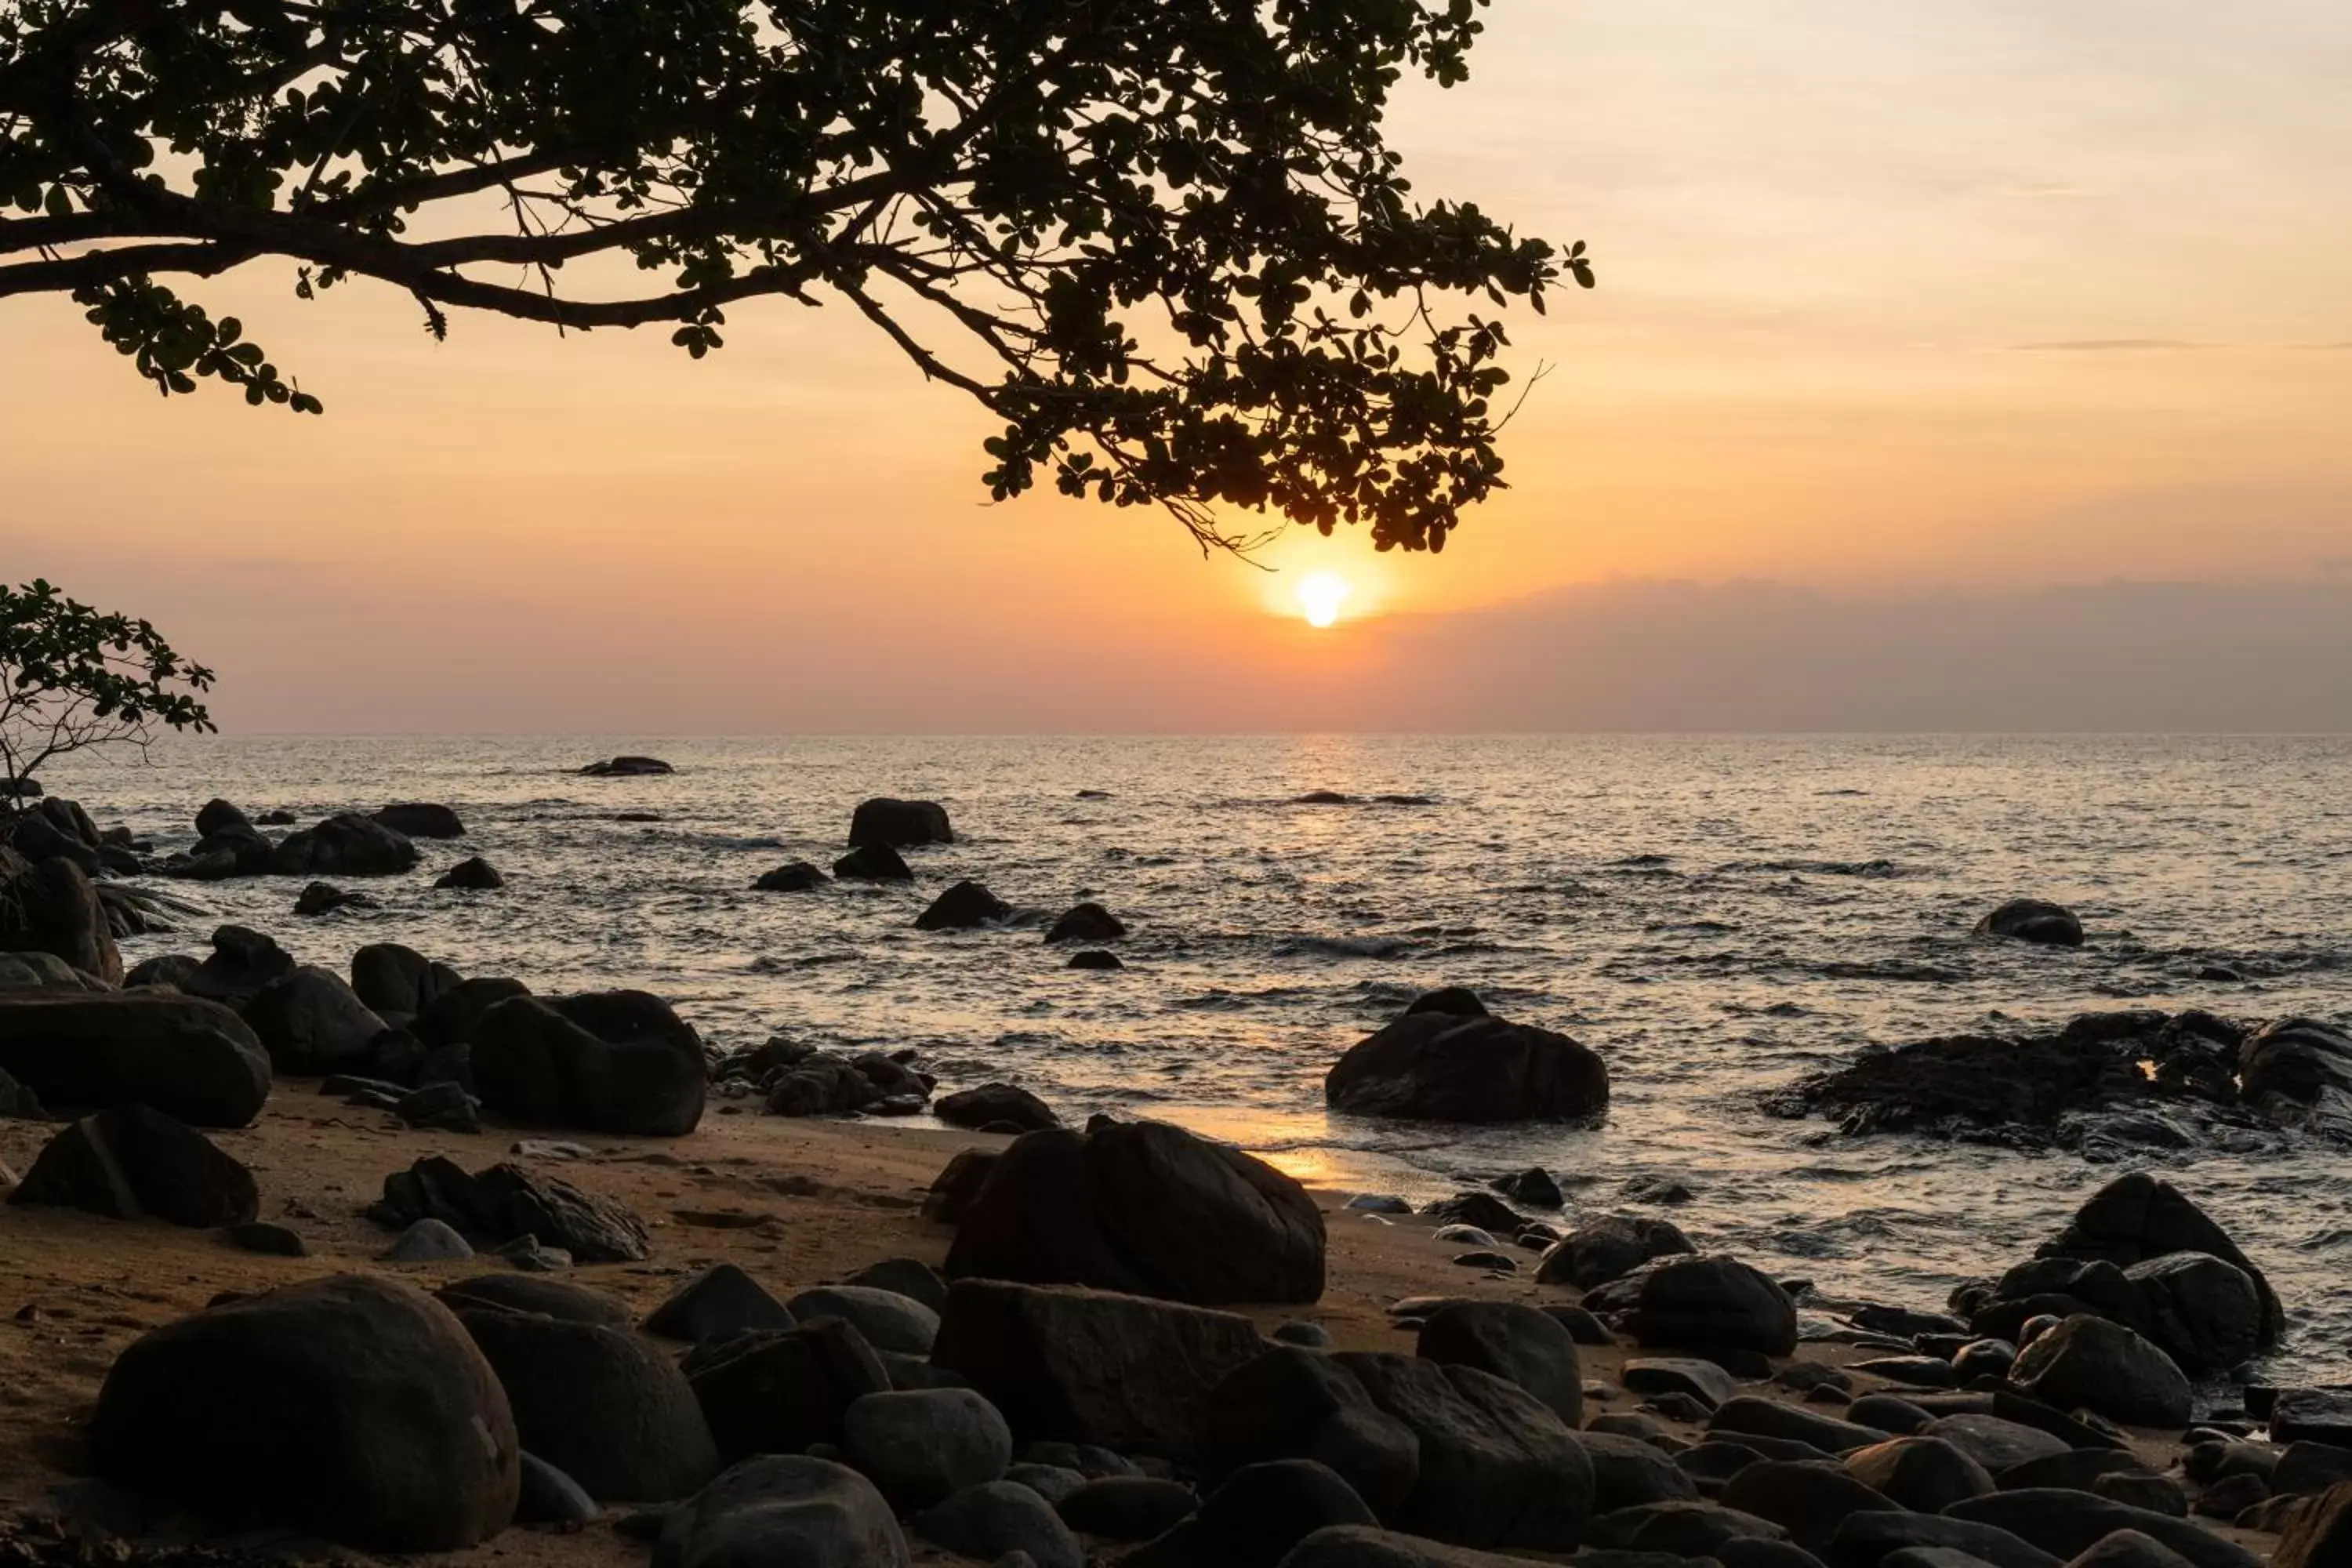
(898, 823)
(351, 1408)
(344, 844)
(51, 907)
(2034, 921)
(507, 1202)
(778, 1390)
(1290, 1403)
(1449, 1066)
(1711, 1302)
(627, 767)
(135, 1163)
(1514, 1342)
(1085, 1367)
(310, 1023)
(608, 1061)
(872, 863)
(966, 906)
(419, 819)
(785, 1511)
(188, 1057)
(1143, 1207)
(2091, 1363)
(1610, 1247)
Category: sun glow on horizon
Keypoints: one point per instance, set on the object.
(1320, 595)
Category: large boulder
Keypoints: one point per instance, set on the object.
(996, 1105)
(1498, 1468)
(605, 1405)
(1087, 922)
(419, 819)
(51, 907)
(627, 767)
(2091, 1363)
(133, 1161)
(1446, 1067)
(352, 1407)
(1085, 1367)
(2065, 1522)
(243, 962)
(1808, 1498)
(2034, 921)
(923, 1444)
(1712, 1302)
(310, 1023)
(1295, 1404)
(1256, 1517)
(783, 1511)
(778, 1390)
(966, 906)
(344, 844)
(187, 1057)
(2300, 1061)
(507, 1202)
(398, 983)
(898, 823)
(873, 863)
(2206, 1312)
(2139, 1217)
(1514, 1342)
(1607, 1247)
(1359, 1546)
(609, 1061)
(1147, 1208)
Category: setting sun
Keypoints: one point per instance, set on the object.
(1320, 595)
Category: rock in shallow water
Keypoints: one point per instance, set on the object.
(1444, 1066)
(2034, 921)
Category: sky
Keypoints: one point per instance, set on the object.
(1919, 323)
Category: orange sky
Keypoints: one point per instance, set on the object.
(1987, 292)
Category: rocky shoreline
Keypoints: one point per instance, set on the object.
(407, 1261)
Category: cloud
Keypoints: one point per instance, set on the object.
(2106, 345)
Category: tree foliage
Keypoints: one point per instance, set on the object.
(1162, 241)
(72, 677)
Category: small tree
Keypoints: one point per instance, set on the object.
(1163, 242)
(72, 677)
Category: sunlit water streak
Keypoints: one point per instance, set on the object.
(1715, 915)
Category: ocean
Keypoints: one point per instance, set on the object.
(1717, 916)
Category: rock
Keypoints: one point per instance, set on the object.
(1088, 1367)
(601, 1404)
(1124, 1508)
(799, 877)
(1702, 1380)
(872, 863)
(1497, 1466)
(610, 1061)
(1983, 1358)
(778, 1390)
(2031, 920)
(428, 1241)
(993, 1102)
(1052, 1482)
(344, 844)
(1359, 1546)
(2137, 1217)
(1147, 1208)
(1809, 1499)
(1090, 924)
(472, 874)
(821, 1084)
(1628, 1472)
(2311, 1414)
(2320, 1533)
(1914, 1371)
(1443, 1066)
(51, 907)
(271, 1240)
(1753, 1414)
(1865, 1540)
(312, 1024)
(445, 1106)
(1927, 1475)
(888, 1320)
(2000, 1446)
(2067, 1522)
(189, 1058)
(351, 1408)
(783, 1511)
(1679, 1529)
(988, 1520)
(396, 982)
(2293, 1065)
(1483, 1210)
(2079, 1469)
(966, 906)
(2106, 1367)
(721, 1301)
(218, 815)
(898, 823)
(2161, 1494)
(2127, 1549)
(2310, 1467)
(1515, 1342)
(133, 1163)
(921, 1447)
(1609, 1248)
(627, 767)
(548, 1297)
(242, 965)
(505, 1202)
(904, 1276)
(1293, 1404)
(957, 1187)
(1710, 1301)
(1534, 1187)
(325, 898)
(1095, 958)
(550, 1497)
(420, 820)
(2206, 1314)
(1256, 1517)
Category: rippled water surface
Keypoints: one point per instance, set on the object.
(1715, 915)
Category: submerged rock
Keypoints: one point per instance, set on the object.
(627, 767)
(419, 819)
(873, 863)
(471, 875)
(799, 877)
(1448, 1067)
(2034, 921)
(966, 906)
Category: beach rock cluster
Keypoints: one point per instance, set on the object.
(2105, 1081)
